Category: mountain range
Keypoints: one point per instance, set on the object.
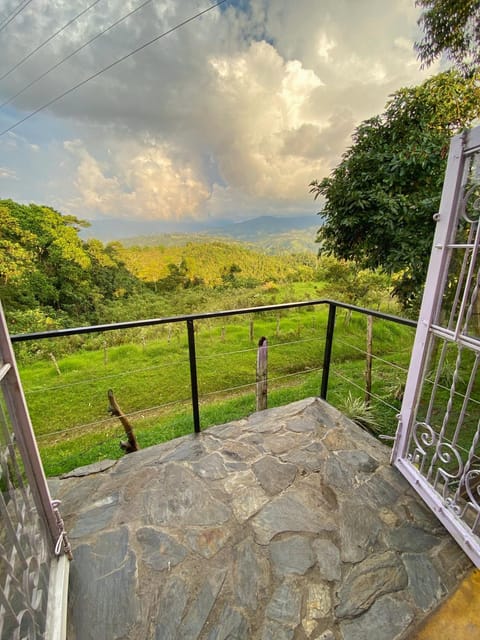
(270, 233)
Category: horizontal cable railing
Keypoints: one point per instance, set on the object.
(201, 356)
(134, 324)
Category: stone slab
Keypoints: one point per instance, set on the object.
(200, 607)
(207, 541)
(285, 605)
(251, 575)
(159, 550)
(287, 513)
(178, 497)
(328, 559)
(411, 538)
(292, 555)
(97, 518)
(90, 469)
(103, 574)
(423, 579)
(360, 527)
(171, 608)
(387, 619)
(232, 624)
(273, 475)
(367, 581)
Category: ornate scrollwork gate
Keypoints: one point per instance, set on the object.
(33, 543)
(437, 447)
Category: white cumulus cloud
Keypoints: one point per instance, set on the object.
(231, 114)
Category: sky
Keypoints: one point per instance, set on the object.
(228, 117)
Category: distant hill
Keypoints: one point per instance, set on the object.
(264, 225)
(271, 234)
(215, 262)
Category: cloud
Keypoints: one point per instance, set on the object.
(256, 99)
(8, 173)
(137, 180)
(235, 112)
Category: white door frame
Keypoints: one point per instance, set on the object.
(444, 473)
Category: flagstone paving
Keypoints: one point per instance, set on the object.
(289, 524)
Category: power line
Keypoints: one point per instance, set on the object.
(70, 55)
(2, 20)
(45, 42)
(111, 65)
(10, 16)
(113, 419)
(14, 14)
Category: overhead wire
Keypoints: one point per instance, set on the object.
(7, 16)
(49, 39)
(105, 421)
(111, 65)
(90, 381)
(71, 54)
(358, 386)
(170, 363)
(13, 15)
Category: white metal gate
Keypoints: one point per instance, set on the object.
(437, 447)
(33, 544)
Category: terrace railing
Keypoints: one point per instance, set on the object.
(190, 323)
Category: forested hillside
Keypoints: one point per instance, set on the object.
(50, 277)
(214, 263)
(47, 271)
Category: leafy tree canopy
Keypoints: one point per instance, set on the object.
(452, 28)
(381, 198)
(44, 263)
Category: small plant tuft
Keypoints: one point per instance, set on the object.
(360, 412)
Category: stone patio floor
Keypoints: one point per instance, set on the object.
(289, 524)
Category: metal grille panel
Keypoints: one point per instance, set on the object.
(24, 553)
(31, 528)
(438, 441)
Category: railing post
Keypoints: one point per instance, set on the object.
(262, 359)
(193, 375)
(368, 368)
(327, 354)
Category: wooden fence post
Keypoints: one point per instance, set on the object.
(55, 364)
(114, 410)
(368, 369)
(262, 374)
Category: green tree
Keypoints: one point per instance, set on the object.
(58, 277)
(177, 277)
(451, 28)
(46, 266)
(381, 198)
(229, 275)
(108, 273)
(346, 281)
(15, 258)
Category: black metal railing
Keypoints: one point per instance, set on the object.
(190, 320)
